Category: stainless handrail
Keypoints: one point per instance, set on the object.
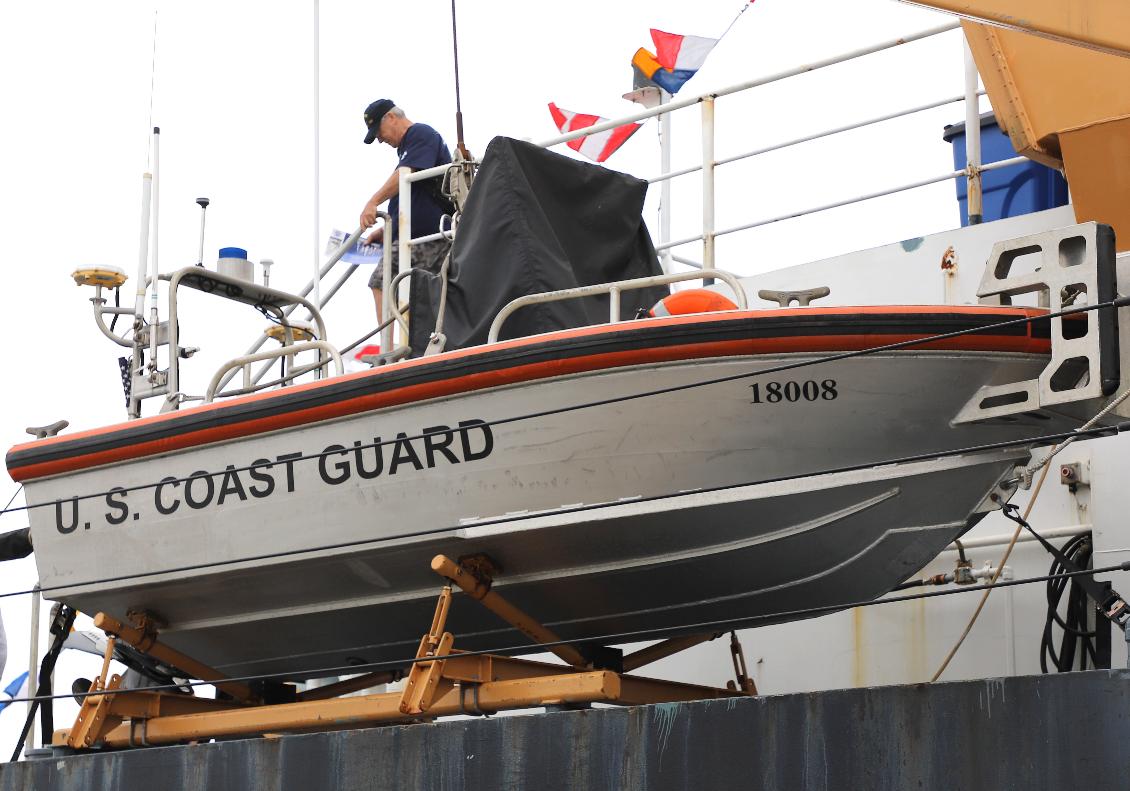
(174, 325)
(273, 354)
(346, 246)
(613, 290)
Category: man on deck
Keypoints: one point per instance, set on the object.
(419, 147)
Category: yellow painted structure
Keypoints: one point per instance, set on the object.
(441, 681)
(1097, 24)
(1058, 76)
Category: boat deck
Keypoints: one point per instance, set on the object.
(1059, 731)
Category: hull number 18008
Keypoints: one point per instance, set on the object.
(791, 392)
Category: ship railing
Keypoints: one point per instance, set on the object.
(613, 290)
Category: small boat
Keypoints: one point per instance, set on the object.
(292, 530)
(645, 475)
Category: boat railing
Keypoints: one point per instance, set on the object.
(613, 290)
(349, 243)
(279, 305)
(287, 352)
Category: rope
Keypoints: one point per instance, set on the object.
(1043, 468)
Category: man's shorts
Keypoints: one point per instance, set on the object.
(426, 255)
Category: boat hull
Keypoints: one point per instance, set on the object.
(648, 514)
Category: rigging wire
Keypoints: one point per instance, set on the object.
(12, 499)
(1095, 432)
(1066, 438)
(1115, 303)
(614, 638)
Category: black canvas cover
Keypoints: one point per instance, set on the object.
(537, 221)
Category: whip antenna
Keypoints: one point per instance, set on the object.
(152, 87)
(458, 106)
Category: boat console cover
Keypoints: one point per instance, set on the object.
(537, 221)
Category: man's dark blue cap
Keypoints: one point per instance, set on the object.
(373, 115)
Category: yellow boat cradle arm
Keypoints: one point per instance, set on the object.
(442, 681)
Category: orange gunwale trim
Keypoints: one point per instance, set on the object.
(515, 374)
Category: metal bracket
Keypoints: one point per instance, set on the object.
(742, 683)
(423, 679)
(94, 716)
(1073, 261)
(436, 344)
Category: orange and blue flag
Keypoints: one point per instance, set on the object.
(649, 71)
(677, 58)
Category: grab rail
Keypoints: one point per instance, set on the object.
(613, 290)
(245, 361)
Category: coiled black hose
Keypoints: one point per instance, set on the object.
(1076, 640)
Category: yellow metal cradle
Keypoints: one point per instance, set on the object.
(442, 681)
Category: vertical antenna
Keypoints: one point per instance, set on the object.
(146, 203)
(154, 267)
(152, 82)
(317, 156)
(458, 105)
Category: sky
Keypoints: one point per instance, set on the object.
(232, 84)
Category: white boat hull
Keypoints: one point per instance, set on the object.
(324, 560)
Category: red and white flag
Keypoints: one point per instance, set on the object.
(598, 147)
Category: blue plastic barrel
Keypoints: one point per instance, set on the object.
(1007, 192)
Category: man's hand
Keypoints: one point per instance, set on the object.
(369, 215)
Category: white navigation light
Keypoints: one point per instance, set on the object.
(233, 263)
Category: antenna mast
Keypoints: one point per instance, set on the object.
(458, 105)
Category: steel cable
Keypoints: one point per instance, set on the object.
(1116, 303)
(614, 638)
(618, 399)
(1094, 432)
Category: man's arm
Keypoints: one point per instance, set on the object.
(387, 190)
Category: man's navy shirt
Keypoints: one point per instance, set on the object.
(420, 149)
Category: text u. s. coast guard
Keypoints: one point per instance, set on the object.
(470, 440)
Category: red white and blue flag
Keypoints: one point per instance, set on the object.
(677, 58)
(681, 53)
(597, 147)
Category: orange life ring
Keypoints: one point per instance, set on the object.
(692, 300)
